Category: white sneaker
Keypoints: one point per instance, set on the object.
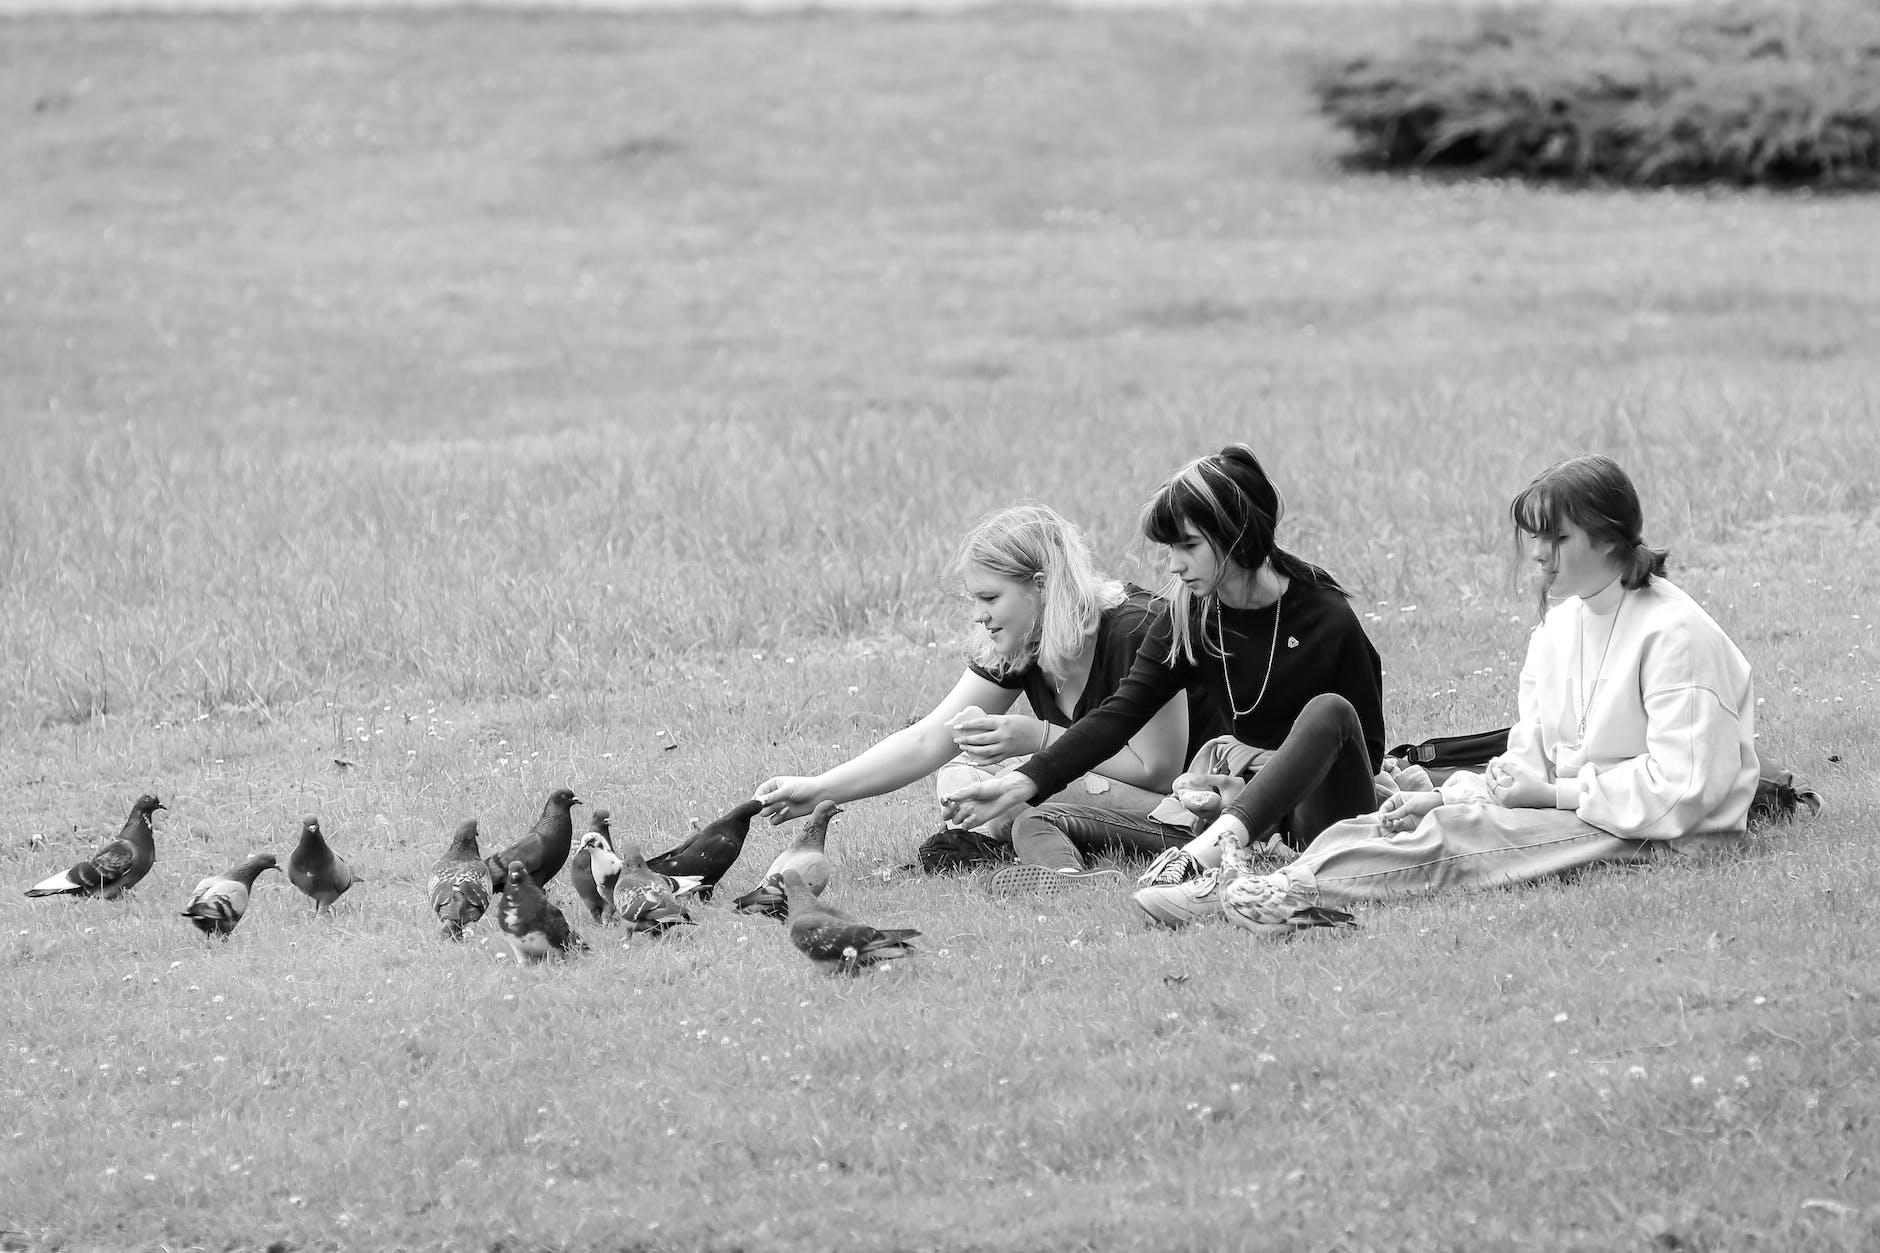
(1028, 880)
(1178, 904)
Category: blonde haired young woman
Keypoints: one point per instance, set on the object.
(1274, 644)
(1047, 626)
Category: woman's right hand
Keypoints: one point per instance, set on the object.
(786, 796)
(987, 739)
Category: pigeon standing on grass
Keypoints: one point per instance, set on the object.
(219, 901)
(596, 872)
(804, 855)
(544, 850)
(117, 867)
(581, 870)
(831, 939)
(710, 851)
(767, 898)
(646, 900)
(316, 869)
(536, 929)
(460, 882)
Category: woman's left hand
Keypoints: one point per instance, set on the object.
(1513, 789)
(980, 804)
(991, 738)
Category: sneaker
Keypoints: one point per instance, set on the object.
(1027, 880)
(1178, 904)
(1171, 866)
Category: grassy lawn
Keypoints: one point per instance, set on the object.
(495, 402)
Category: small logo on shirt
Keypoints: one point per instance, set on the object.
(1292, 641)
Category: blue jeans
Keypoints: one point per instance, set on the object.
(1058, 836)
(1094, 791)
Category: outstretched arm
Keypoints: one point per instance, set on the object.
(891, 763)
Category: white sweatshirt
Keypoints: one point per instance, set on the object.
(1669, 748)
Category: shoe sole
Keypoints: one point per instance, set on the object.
(1024, 880)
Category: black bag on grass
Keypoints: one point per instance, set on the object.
(957, 848)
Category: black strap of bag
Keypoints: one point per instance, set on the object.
(1452, 752)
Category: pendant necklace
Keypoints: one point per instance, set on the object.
(1220, 639)
(1579, 657)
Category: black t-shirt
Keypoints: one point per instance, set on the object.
(1316, 643)
(1121, 631)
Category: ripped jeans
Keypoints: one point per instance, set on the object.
(1093, 791)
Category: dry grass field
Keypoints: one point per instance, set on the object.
(408, 413)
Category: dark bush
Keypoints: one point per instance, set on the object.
(1763, 94)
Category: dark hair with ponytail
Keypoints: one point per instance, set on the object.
(1594, 494)
(1229, 499)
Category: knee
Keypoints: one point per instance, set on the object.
(1329, 709)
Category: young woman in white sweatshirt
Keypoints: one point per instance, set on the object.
(1636, 732)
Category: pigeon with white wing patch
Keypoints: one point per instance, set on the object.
(117, 867)
(709, 852)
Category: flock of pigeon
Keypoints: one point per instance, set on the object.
(615, 882)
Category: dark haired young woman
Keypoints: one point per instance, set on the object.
(1636, 732)
(1274, 642)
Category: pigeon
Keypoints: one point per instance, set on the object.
(544, 850)
(596, 872)
(316, 869)
(1269, 904)
(460, 882)
(710, 851)
(117, 867)
(831, 939)
(804, 855)
(536, 929)
(646, 900)
(767, 898)
(581, 872)
(219, 901)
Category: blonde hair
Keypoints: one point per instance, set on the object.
(1032, 543)
(1233, 505)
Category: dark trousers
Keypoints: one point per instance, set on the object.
(1319, 776)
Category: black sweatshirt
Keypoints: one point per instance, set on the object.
(1320, 646)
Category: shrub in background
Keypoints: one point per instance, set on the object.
(1747, 94)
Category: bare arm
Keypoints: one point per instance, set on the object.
(892, 762)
